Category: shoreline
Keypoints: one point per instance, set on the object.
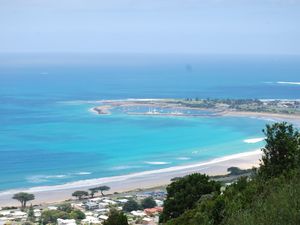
(295, 119)
(139, 180)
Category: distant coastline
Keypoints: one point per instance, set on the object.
(288, 110)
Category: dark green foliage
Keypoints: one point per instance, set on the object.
(208, 211)
(237, 171)
(51, 216)
(30, 214)
(103, 188)
(77, 215)
(131, 205)
(277, 204)
(148, 203)
(80, 194)
(282, 150)
(116, 218)
(93, 191)
(23, 197)
(9, 207)
(184, 193)
(66, 207)
(275, 201)
(63, 212)
(175, 178)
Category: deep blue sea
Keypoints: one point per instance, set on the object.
(48, 135)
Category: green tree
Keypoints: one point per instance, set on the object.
(237, 171)
(282, 150)
(93, 191)
(131, 205)
(148, 202)
(77, 215)
(103, 188)
(276, 201)
(30, 214)
(80, 194)
(184, 193)
(66, 207)
(23, 197)
(51, 216)
(116, 218)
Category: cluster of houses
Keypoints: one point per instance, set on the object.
(8, 215)
(96, 210)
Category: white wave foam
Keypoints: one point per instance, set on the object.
(183, 158)
(287, 82)
(45, 178)
(83, 173)
(105, 180)
(157, 163)
(253, 140)
(124, 167)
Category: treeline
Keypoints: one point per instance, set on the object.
(231, 103)
(271, 195)
(228, 101)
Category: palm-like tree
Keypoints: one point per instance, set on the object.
(103, 188)
(93, 191)
(23, 197)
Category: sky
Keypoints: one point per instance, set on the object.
(150, 26)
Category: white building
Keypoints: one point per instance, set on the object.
(66, 222)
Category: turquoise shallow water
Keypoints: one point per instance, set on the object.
(48, 135)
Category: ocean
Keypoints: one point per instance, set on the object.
(49, 135)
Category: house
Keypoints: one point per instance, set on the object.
(103, 205)
(19, 215)
(102, 211)
(91, 205)
(66, 222)
(97, 199)
(103, 217)
(111, 202)
(124, 200)
(91, 220)
(159, 202)
(153, 211)
(138, 213)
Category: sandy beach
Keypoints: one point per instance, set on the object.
(141, 180)
(295, 119)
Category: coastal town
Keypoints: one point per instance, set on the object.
(94, 206)
(140, 207)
